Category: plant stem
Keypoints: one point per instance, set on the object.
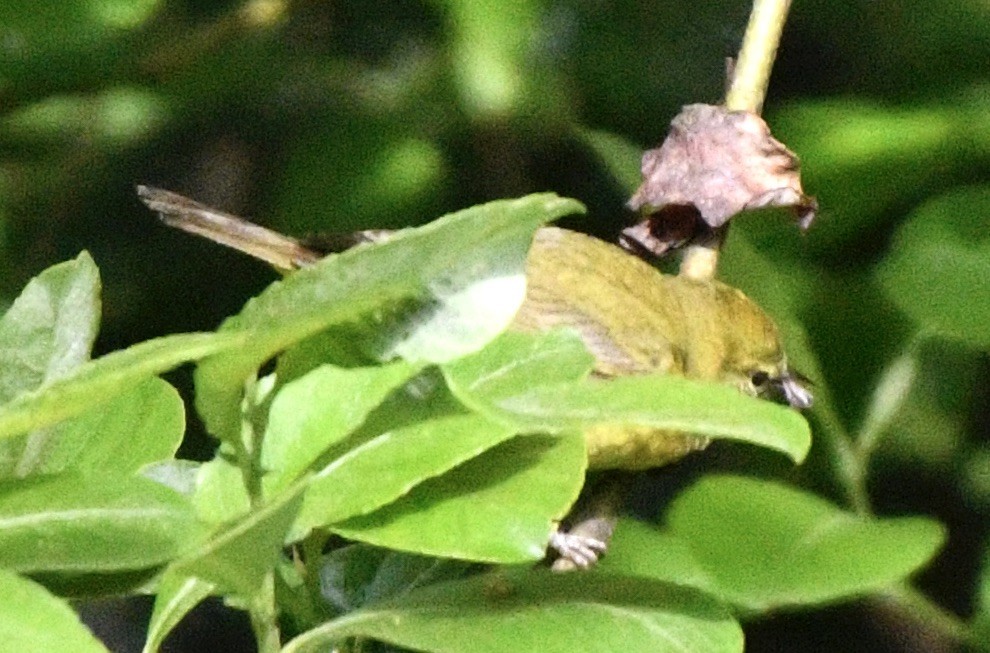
(312, 552)
(756, 56)
(261, 607)
(249, 450)
(933, 618)
(264, 617)
(747, 90)
(700, 260)
(847, 465)
(889, 395)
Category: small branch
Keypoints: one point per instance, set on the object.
(756, 56)
(747, 89)
(700, 260)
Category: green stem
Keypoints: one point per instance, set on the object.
(848, 467)
(264, 617)
(850, 457)
(932, 617)
(249, 444)
(254, 416)
(889, 396)
(312, 553)
(262, 607)
(756, 56)
(747, 90)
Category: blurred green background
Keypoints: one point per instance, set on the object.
(330, 116)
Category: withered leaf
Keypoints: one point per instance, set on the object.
(675, 226)
(721, 163)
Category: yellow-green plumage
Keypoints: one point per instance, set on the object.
(635, 320)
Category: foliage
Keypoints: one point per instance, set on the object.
(396, 474)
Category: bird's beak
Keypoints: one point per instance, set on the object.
(792, 385)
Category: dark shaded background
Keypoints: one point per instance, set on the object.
(332, 116)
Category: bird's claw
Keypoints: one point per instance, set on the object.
(576, 551)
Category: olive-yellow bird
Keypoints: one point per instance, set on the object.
(631, 317)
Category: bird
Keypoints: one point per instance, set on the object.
(631, 317)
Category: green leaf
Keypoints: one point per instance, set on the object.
(317, 411)
(120, 436)
(391, 163)
(488, 55)
(353, 576)
(175, 473)
(662, 402)
(980, 626)
(767, 546)
(862, 160)
(889, 394)
(115, 116)
(390, 465)
(101, 379)
(238, 556)
(501, 506)
(922, 407)
(50, 328)
(92, 524)
(175, 596)
(335, 346)
(536, 382)
(142, 426)
(620, 157)
(539, 611)
(939, 261)
(640, 549)
(63, 47)
(31, 619)
(514, 362)
(220, 493)
(437, 292)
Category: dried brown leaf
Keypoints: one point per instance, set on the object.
(720, 163)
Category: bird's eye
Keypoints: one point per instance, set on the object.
(759, 379)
